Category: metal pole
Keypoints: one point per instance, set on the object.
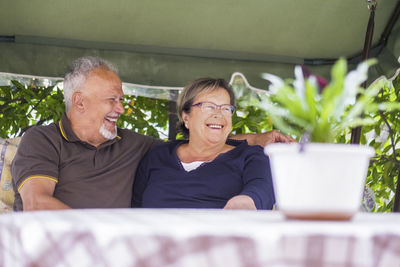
(396, 205)
(356, 132)
(173, 118)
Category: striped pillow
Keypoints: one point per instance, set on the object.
(8, 148)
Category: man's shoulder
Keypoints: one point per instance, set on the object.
(132, 141)
(41, 138)
(42, 131)
(253, 149)
(244, 150)
(133, 136)
(131, 133)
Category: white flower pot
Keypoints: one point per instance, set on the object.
(325, 181)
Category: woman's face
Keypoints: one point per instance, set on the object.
(209, 127)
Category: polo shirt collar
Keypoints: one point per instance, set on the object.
(66, 129)
(69, 135)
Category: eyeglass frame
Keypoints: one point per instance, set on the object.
(216, 107)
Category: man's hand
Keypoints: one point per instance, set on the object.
(271, 137)
(264, 139)
(240, 202)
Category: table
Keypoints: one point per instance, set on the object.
(163, 237)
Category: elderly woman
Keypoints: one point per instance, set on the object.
(207, 170)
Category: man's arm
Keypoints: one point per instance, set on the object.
(37, 194)
(263, 139)
(35, 169)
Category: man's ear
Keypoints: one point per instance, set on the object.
(77, 101)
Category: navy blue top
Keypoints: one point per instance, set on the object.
(162, 182)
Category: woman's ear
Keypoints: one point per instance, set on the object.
(77, 101)
(185, 118)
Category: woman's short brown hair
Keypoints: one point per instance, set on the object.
(192, 90)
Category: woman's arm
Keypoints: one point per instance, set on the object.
(240, 202)
(257, 179)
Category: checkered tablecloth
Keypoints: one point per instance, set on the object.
(141, 237)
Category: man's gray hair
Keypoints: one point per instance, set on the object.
(78, 72)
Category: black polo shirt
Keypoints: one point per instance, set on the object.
(86, 176)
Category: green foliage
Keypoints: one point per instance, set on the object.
(145, 115)
(384, 137)
(385, 166)
(298, 108)
(248, 118)
(22, 106)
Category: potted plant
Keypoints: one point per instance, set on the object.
(316, 179)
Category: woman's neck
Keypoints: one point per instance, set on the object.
(199, 152)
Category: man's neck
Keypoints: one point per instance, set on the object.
(83, 131)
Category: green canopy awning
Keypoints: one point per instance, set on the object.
(171, 42)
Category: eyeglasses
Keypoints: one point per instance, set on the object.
(210, 108)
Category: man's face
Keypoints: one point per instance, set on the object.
(102, 95)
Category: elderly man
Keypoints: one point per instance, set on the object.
(84, 160)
